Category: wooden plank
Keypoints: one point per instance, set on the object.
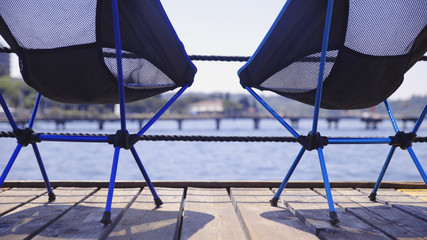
(83, 220)
(31, 218)
(312, 208)
(262, 221)
(16, 197)
(402, 201)
(419, 193)
(215, 184)
(209, 214)
(391, 221)
(143, 220)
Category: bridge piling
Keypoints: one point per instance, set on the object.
(294, 122)
(140, 123)
(100, 124)
(256, 123)
(179, 121)
(59, 123)
(331, 121)
(218, 123)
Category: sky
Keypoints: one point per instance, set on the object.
(236, 28)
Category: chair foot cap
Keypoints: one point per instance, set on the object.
(52, 197)
(158, 202)
(106, 219)
(273, 202)
(334, 218)
(373, 197)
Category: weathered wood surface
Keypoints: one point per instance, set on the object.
(209, 214)
(31, 218)
(215, 184)
(391, 221)
(419, 193)
(312, 208)
(398, 199)
(260, 220)
(143, 220)
(212, 213)
(16, 197)
(83, 220)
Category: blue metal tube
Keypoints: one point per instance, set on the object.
(8, 114)
(119, 64)
(390, 114)
(162, 110)
(42, 168)
(112, 179)
(417, 164)
(420, 121)
(10, 163)
(383, 170)
(358, 140)
(61, 138)
(322, 65)
(272, 112)
(35, 109)
(326, 180)
(289, 174)
(144, 173)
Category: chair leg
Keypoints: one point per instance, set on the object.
(52, 196)
(157, 199)
(373, 194)
(417, 164)
(10, 163)
(275, 199)
(106, 219)
(332, 213)
(7, 113)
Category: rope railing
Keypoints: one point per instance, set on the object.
(199, 57)
(219, 58)
(194, 138)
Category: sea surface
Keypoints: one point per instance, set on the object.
(215, 160)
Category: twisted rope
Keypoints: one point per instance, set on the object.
(193, 138)
(189, 138)
(194, 57)
(219, 58)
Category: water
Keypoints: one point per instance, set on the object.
(215, 161)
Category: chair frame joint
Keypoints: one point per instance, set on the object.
(123, 139)
(26, 136)
(312, 141)
(403, 140)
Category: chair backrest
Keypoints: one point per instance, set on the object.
(67, 51)
(371, 45)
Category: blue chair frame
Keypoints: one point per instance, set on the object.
(26, 137)
(314, 141)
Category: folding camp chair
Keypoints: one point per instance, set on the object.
(72, 52)
(339, 55)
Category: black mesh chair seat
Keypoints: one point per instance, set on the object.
(340, 55)
(89, 51)
(371, 46)
(67, 52)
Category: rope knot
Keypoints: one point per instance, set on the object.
(26, 136)
(312, 141)
(403, 140)
(123, 139)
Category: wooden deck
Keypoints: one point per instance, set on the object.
(213, 212)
